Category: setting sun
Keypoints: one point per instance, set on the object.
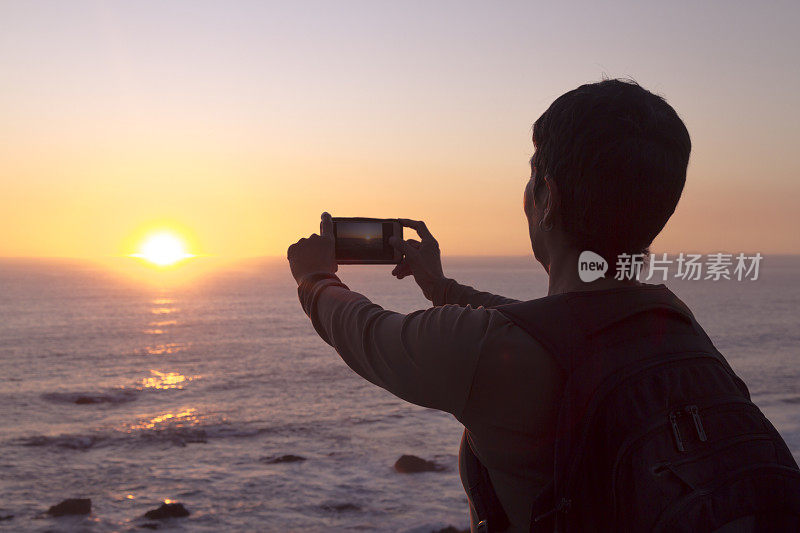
(163, 249)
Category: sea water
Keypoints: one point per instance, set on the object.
(133, 394)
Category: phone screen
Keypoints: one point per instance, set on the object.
(364, 241)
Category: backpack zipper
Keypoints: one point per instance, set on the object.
(627, 445)
(673, 420)
(698, 424)
(563, 506)
(609, 384)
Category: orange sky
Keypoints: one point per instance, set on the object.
(237, 127)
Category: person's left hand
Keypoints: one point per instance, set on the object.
(314, 254)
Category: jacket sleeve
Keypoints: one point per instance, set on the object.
(427, 357)
(449, 291)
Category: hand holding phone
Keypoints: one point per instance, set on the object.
(313, 254)
(421, 258)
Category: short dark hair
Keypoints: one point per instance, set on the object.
(618, 154)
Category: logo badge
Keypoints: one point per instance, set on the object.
(591, 266)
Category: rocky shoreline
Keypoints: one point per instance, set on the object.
(153, 519)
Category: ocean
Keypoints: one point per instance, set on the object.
(133, 393)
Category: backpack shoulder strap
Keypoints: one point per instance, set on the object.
(548, 320)
(566, 323)
(597, 312)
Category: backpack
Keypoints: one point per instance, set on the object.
(655, 431)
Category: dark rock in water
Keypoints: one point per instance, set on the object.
(73, 442)
(6, 517)
(410, 464)
(150, 525)
(340, 507)
(288, 458)
(86, 399)
(450, 529)
(71, 506)
(167, 510)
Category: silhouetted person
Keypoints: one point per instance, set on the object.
(603, 406)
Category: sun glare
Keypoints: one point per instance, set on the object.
(163, 249)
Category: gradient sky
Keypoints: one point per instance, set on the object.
(237, 123)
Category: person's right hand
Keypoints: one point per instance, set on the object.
(421, 259)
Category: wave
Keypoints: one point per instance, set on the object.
(73, 442)
(138, 436)
(156, 382)
(113, 396)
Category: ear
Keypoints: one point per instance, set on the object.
(527, 199)
(552, 202)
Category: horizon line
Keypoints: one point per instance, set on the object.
(251, 257)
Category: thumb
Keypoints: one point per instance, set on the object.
(326, 226)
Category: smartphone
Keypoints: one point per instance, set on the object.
(365, 241)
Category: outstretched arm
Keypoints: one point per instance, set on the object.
(422, 259)
(426, 357)
(449, 291)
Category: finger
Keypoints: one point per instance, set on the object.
(326, 226)
(293, 248)
(417, 225)
(404, 271)
(399, 244)
(401, 270)
(414, 243)
(399, 267)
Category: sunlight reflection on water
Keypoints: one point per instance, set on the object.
(166, 380)
(163, 310)
(184, 418)
(164, 323)
(166, 348)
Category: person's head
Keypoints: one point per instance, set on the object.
(607, 172)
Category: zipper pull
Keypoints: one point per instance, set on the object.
(698, 424)
(673, 420)
(562, 507)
